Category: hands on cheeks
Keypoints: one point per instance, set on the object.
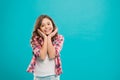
(41, 33)
(53, 33)
(49, 36)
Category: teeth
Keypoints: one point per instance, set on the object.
(47, 30)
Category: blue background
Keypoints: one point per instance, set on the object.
(91, 30)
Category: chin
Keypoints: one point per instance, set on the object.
(47, 34)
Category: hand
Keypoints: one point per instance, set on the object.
(53, 33)
(41, 33)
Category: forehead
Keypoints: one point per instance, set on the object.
(46, 20)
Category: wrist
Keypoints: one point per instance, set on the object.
(45, 38)
(49, 37)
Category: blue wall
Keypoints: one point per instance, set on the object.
(91, 29)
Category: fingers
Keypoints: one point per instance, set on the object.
(40, 33)
(50, 35)
(56, 30)
(53, 33)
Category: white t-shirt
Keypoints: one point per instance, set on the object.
(44, 67)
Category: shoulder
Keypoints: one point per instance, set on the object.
(36, 38)
(59, 37)
(33, 38)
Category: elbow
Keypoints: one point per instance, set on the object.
(42, 55)
(51, 56)
(42, 58)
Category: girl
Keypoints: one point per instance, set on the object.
(46, 46)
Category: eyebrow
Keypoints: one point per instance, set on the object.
(46, 22)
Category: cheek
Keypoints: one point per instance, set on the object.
(41, 29)
(51, 27)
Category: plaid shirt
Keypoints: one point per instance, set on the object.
(57, 43)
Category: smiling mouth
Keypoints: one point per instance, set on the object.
(47, 30)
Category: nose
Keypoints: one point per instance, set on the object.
(46, 27)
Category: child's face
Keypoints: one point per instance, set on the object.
(46, 26)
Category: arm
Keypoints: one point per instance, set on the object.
(50, 48)
(43, 50)
(58, 44)
(35, 47)
(55, 48)
(38, 50)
